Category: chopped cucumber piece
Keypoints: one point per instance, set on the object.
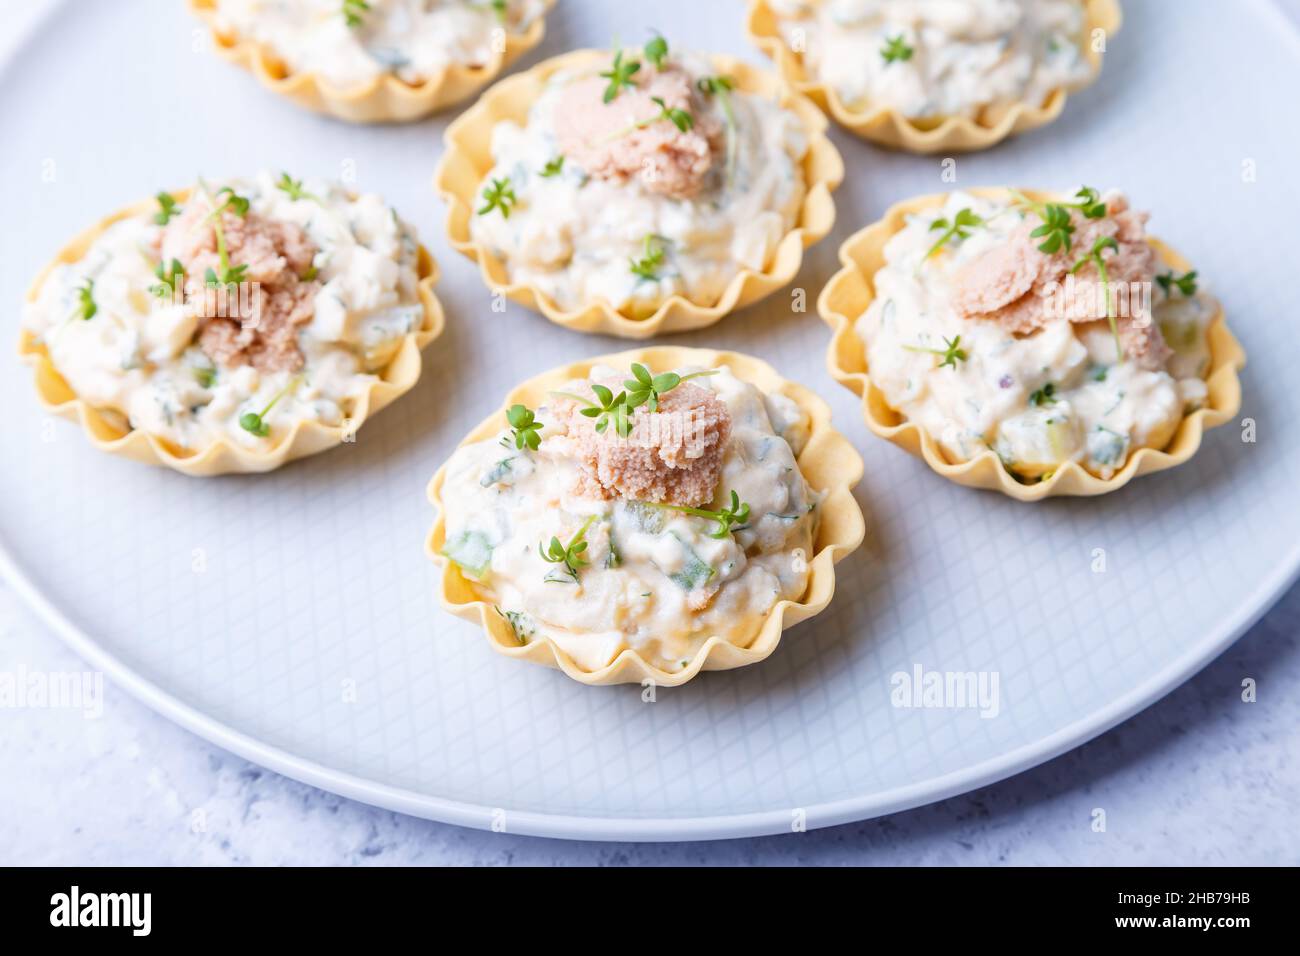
(695, 573)
(471, 551)
(1106, 447)
(1059, 436)
(648, 518)
(613, 559)
(496, 473)
(521, 625)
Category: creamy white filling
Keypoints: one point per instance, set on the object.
(136, 357)
(573, 236)
(412, 39)
(933, 58)
(502, 503)
(1039, 400)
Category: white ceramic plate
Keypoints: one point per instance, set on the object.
(253, 611)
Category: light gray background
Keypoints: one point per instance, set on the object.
(1200, 777)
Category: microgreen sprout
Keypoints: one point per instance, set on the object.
(255, 422)
(1057, 227)
(642, 389)
(951, 354)
(959, 228)
(652, 257)
(499, 195)
(238, 205)
(1044, 396)
(620, 76)
(553, 167)
(86, 306)
(354, 12)
(730, 519)
(292, 188)
(1186, 284)
(683, 120)
(569, 555)
(167, 208)
(170, 278)
(499, 8)
(229, 275)
(524, 426)
(1055, 230)
(656, 51)
(896, 50)
(721, 87)
(646, 389)
(234, 202)
(1094, 256)
(611, 408)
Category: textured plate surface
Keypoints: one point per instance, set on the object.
(293, 618)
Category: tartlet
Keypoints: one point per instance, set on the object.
(827, 461)
(851, 292)
(468, 159)
(381, 99)
(887, 127)
(109, 428)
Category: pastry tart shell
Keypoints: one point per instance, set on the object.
(850, 291)
(221, 457)
(384, 99)
(828, 462)
(468, 159)
(953, 134)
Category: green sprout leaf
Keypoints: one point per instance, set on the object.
(553, 167)
(354, 12)
(1055, 230)
(86, 306)
(1186, 284)
(238, 205)
(729, 519)
(570, 555)
(292, 188)
(652, 257)
(1044, 396)
(620, 76)
(959, 228)
(167, 208)
(951, 354)
(170, 279)
(683, 120)
(1094, 256)
(524, 426)
(499, 195)
(656, 51)
(896, 50)
(646, 389)
(255, 422)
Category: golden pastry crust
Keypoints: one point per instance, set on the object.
(221, 457)
(888, 127)
(850, 291)
(828, 462)
(468, 159)
(386, 99)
